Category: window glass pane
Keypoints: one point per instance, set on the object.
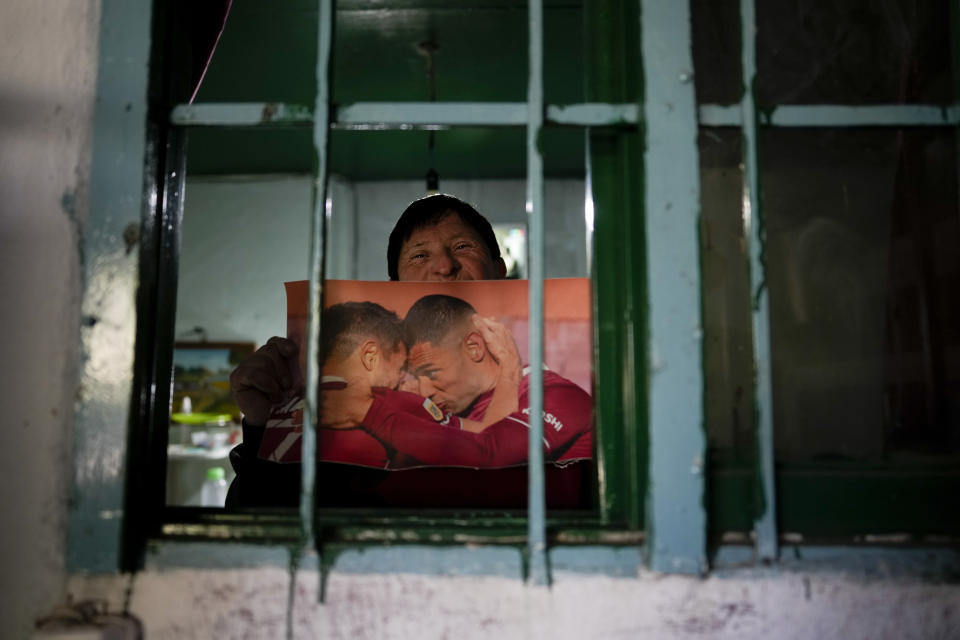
(729, 401)
(860, 52)
(227, 151)
(716, 51)
(386, 54)
(267, 53)
(862, 269)
(728, 350)
(243, 235)
(563, 53)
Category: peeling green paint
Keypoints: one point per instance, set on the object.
(765, 525)
(676, 521)
(245, 114)
(321, 142)
(109, 281)
(535, 551)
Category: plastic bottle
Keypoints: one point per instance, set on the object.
(214, 491)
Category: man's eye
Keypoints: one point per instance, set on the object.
(418, 256)
(461, 246)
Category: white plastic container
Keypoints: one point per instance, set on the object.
(214, 491)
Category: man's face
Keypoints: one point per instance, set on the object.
(390, 368)
(445, 373)
(447, 250)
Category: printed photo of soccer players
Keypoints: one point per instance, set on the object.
(421, 377)
(472, 404)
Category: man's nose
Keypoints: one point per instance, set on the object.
(445, 264)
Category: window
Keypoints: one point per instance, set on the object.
(841, 203)
(246, 137)
(698, 321)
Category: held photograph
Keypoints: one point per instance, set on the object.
(430, 380)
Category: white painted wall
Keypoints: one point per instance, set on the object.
(47, 62)
(250, 603)
(242, 239)
(47, 70)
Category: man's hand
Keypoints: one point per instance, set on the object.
(505, 399)
(345, 408)
(501, 346)
(266, 378)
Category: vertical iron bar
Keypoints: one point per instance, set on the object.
(536, 504)
(676, 520)
(765, 524)
(321, 126)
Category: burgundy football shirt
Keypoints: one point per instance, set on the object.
(567, 431)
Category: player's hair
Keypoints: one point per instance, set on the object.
(344, 326)
(432, 317)
(430, 210)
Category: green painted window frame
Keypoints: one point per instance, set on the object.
(663, 523)
(817, 502)
(137, 525)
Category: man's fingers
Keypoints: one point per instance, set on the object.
(264, 381)
(254, 404)
(485, 327)
(287, 347)
(277, 364)
(289, 352)
(498, 338)
(265, 378)
(279, 356)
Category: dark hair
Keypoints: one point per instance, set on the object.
(430, 210)
(432, 317)
(344, 326)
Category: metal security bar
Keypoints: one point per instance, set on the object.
(401, 115)
(831, 115)
(765, 524)
(536, 502)
(676, 521)
(318, 222)
(427, 115)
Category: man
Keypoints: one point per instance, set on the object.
(456, 370)
(438, 237)
(362, 341)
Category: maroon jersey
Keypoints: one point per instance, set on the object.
(282, 439)
(567, 430)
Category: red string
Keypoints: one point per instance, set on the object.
(212, 49)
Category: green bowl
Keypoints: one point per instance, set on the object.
(202, 418)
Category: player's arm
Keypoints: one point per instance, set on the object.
(500, 445)
(567, 415)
